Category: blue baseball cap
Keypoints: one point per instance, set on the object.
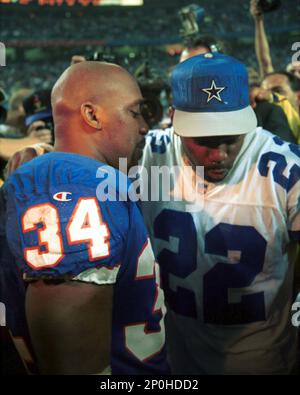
(211, 97)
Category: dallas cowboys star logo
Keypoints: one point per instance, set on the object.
(213, 92)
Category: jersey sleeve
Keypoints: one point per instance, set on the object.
(61, 230)
(158, 144)
(139, 307)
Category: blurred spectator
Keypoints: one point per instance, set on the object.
(283, 85)
(284, 91)
(16, 116)
(294, 68)
(37, 115)
(269, 116)
(198, 46)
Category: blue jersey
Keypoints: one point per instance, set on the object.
(67, 217)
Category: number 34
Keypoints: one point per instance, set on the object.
(85, 226)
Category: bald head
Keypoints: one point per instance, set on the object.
(86, 81)
(96, 111)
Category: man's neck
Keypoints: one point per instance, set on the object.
(79, 148)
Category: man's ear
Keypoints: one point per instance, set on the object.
(90, 114)
(171, 113)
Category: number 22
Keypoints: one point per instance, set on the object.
(221, 278)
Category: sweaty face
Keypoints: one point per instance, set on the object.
(124, 125)
(216, 154)
(279, 83)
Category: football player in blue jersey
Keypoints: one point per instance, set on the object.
(93, 299)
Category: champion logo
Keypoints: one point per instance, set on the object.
(63, 196)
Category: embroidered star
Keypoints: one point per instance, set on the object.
(213, 92)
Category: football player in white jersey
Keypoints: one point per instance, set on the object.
(227, 264)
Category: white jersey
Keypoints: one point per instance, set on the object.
(227, 268)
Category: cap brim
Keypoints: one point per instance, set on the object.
(39, 116)
(198, 124)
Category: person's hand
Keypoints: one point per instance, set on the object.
(38, 130)
(25, 155)
(255, 10)
(258, 94)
